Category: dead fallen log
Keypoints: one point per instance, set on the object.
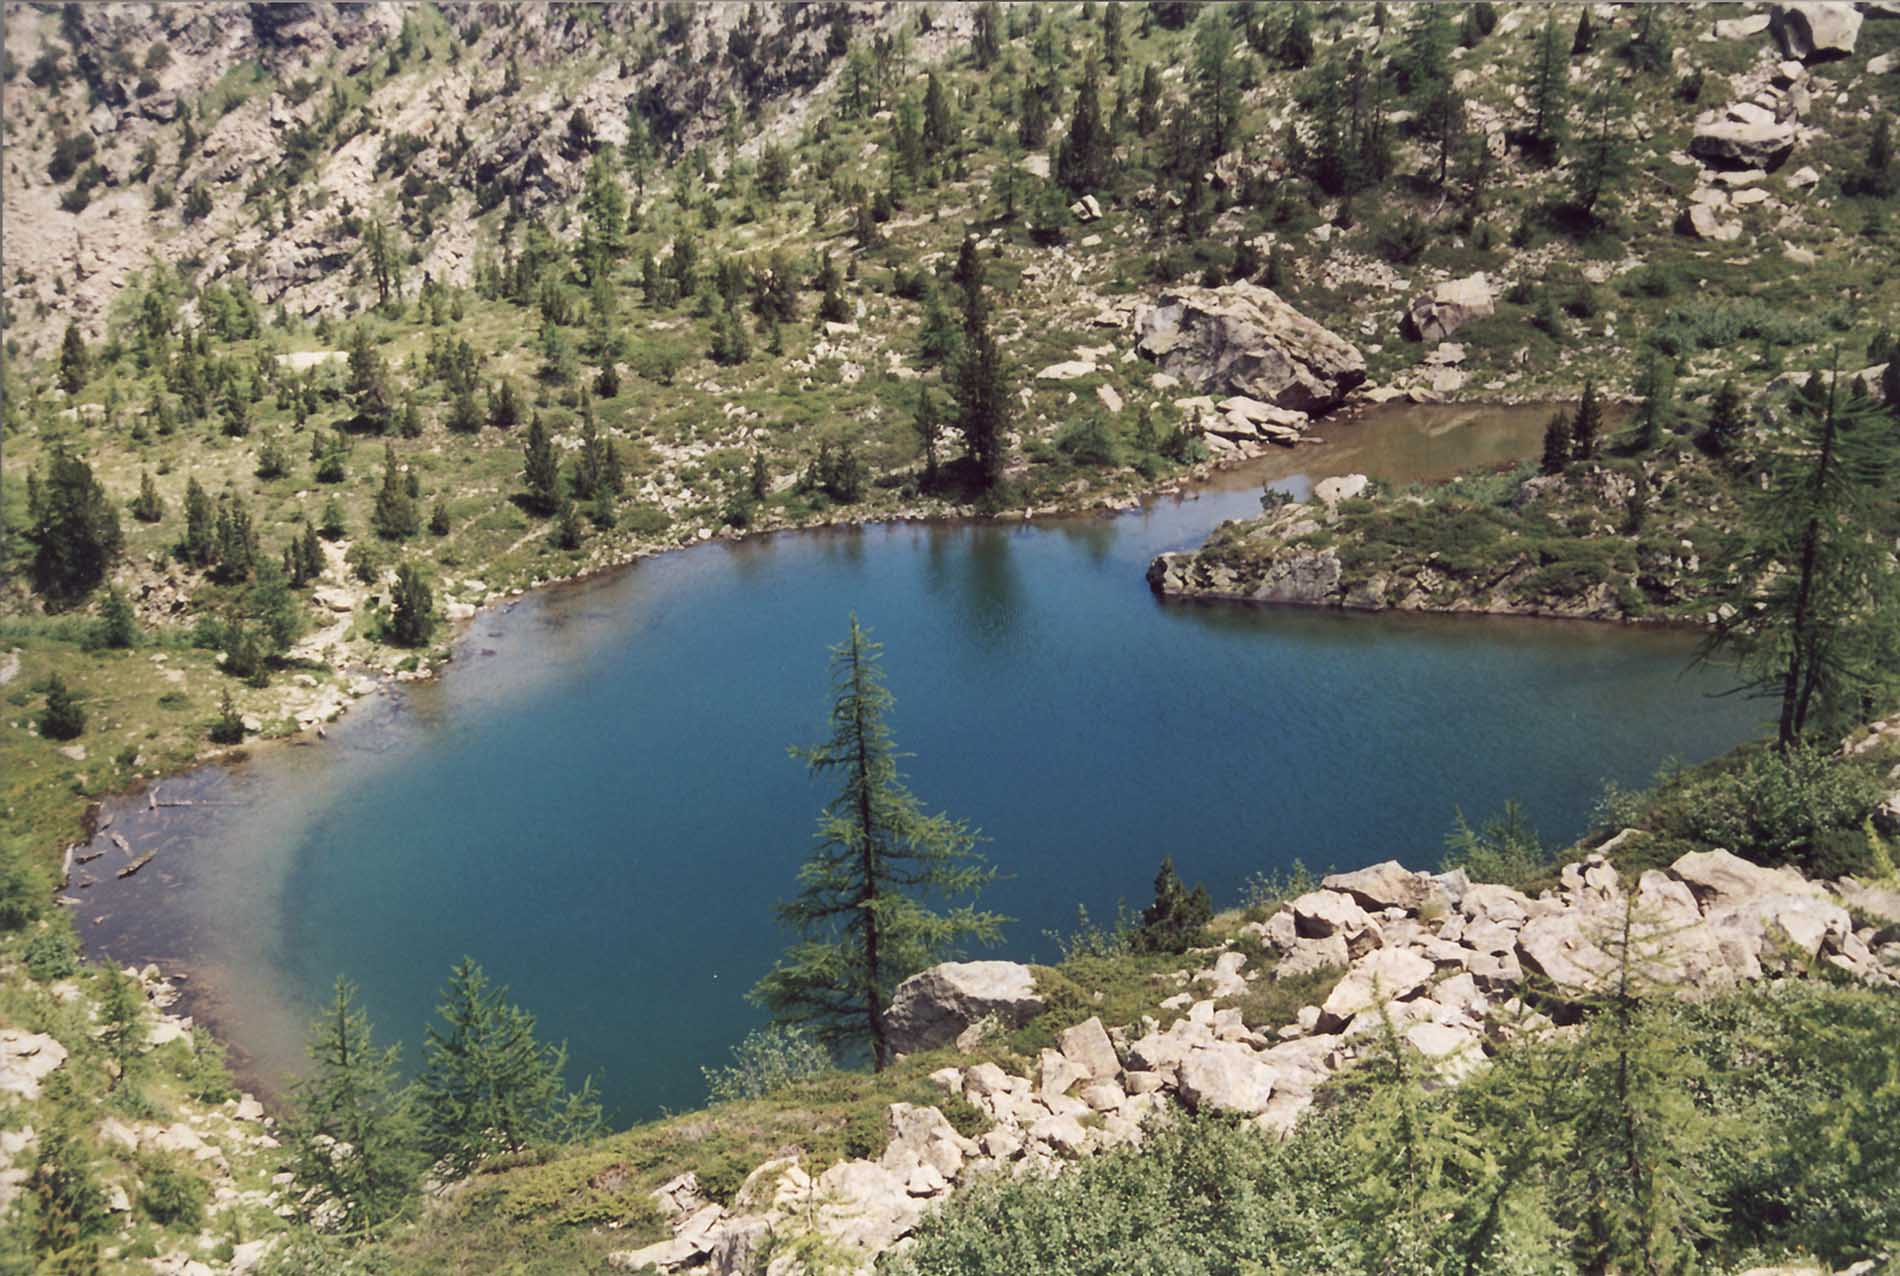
(87, 858)
(137, 864)
(120, 842)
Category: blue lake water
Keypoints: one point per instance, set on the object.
(596, 802)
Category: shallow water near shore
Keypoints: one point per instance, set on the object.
(596, 802)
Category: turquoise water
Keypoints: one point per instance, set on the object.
(597, 802)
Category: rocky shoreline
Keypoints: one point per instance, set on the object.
(1454, 968)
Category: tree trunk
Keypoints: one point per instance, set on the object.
(1797, 687)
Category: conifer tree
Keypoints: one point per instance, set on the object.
(352, 1128)
(1727, 419)
(982, 388)
(487, 1085)
(1588, 425)
(1178, 916)
(1113, 47)
(540, 469)
(929, 435)
(1415, 1162)
(74, 365)
(75, 530)
(1816, 616)
(63, 718)
(1556, 444)
(1634, 1181)
(369, 383)
(395, 516)
(276, 609)
(863, 914)
(604, 217)
(149, 506)
(68, 1207)
(1656, 409)
(940, 125)
(1603, 156)
(412, 608)
(1082, 163)
(200, 544)
(118, 623)
(1547, 92)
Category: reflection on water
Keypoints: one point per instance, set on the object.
(597, 804)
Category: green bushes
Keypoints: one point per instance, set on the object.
(171, 1195)
(768, 1059)
(1801, 807)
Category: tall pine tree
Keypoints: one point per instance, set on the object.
(863, 914)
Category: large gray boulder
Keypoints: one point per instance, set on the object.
(1722, 138)
(934, 1006)
(1816, 32)
(1435, 315)
(1243, 339)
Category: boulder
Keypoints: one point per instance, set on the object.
(1564, 949)
(1721, 139)
(933, 1007)
(1816, 32)
(27, 1059)
(1388, 885)
(1318, 914)
(1341, 487)
(1702, 222)
(1383, 975)
(1066, 371)
(1087, 1047)
(922, 1136)
(1435, 315)
(1717, 878)
(1226, 1078)
(1243, 339)
(1741, 28)
(1310, 955)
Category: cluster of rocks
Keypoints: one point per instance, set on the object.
(1454, 968)
(1746, 140)
(214, 1139)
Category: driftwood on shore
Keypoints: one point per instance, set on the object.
(137, 864)
(88, 857)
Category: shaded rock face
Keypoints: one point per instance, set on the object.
(1243, 339)
(1435, 315)
(933, 1007)
(1816, 32)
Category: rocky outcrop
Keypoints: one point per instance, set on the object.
(1435, 315)
(1816, 32)
(1244, 340)
(1450, 968)
(934, 1007)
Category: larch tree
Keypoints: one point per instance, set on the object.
(1816, 619)
(352, 1127)
(863, 914)
(487, 1085)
